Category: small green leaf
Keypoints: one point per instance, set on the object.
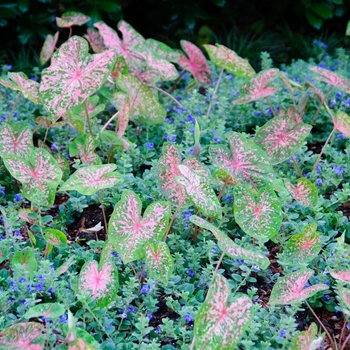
(27, 260)
(55, 237)
(48, 310)
(84, 147)
(305, 192)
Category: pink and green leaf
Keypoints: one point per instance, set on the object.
(27, 260)
(84, 147)
(305, 192)
(64, 166)
(84, 341)
(129, 231)
(48, 310)
(95, 40)
(306, 340)
(71, 18)
(344, 298)
(93, 108)
(341, 275)
(55, 237)
(48, 47)
(342, 123)
(123, 117)
(163, 50)
(219, 324)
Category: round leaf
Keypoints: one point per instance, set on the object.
(55, 237)
(305, 192)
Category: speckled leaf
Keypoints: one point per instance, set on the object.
(39, 174)
(48, 47)
(72, 18)
(344, 298)
(48, 310)
(84, 341)
(4, 252)
(101, 283)
(22, 336)
(19, 81)
(123, 118)
(144, 105)
(93, 108)
(163, 50)
(110, 138)
(15, 141)
(220, 176)
(64, 166)
(27, 260)
(196, 63)
(91, 179)
(257, 87)
(84, 147)
(290, 288)
(73, 75)
(305, 192)
(55, 237)
(219, 325)
(95, 40)
(129, 231)
(332, 78)
(280, 139)
(106, 253)
(159, 262)
(258, 214)
(65, 266)
(307, 340)
(340, 275)
(225, 58)
(342, 123)
(246, 161)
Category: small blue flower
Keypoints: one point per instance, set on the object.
(24, 302)
(115, 254)
(326, 297)
(217, 139)
(41, 277)
(51, 291)
(18, 197)
(173, 138)
(150, 145)
(340, 136)
(257, 113)
(170, 120)
(190, 272)
(123, 314)
(187, 215)
(145, 289)
(29, 288)
(215, 249)
(191, 119)
(67, 157)
(229, 199)
(64, 318)
(240, 261)
(39, 287)
(130, 309)
(165, 137)
(45, 319)
(17, 233)
(111, 108)
(283, 333)
(158, 330)
(325, 46)
(338, 170)
(22, 280)
(188, 318)
(2, 191)
(34, 78)
(268, 111)
(328, 283)
(149, 316)
(9, 67)
(256, 267)
(333, 103)
(149, 198)
(319, 182)
(191, 151)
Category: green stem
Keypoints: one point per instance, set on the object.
(323, 148)
(103, 213)
(88, 117)
(215, 91)
(297, 167)
(13, 107)
(169, 95)
(271, 108)
(176, 82)
(241, 283)
(320, 105)
(223, 188)
(172, 220)
(109, 121)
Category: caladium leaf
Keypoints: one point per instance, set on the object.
(84, 147)
(344, 298)
(110, 138)
(23, 336)
(27, 260)
(72, 18)
(100, 282)
(258, 214)
(280, 138)
(106, 254)
(65, 266)
(246, 161)
(307, 340)
(95, 40)
(144, 105)
(196, 63)
(129, 231)
(55, 237)
(340, 275)
(342, 123)
(64, 166)
(48, 47)
(91, 179)
(303, 247)
(48, 310)
(15, 141)
(332, 78)
(199, 190)
(39, 174)
(123, 118)
(19, 81)
(305, 192)
(73, 75)
(163, 50)
(220, 176)
(219, 325)
(257, 87)
(84, 341)
(290, 288)
(93, 108)
(225, 58)
(159, 262)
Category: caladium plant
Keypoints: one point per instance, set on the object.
(56, 238)
(48, 47)
(342, 123)
(84, 147)
(48, 310)
(307, 340)
(220, 324)
(95, 40)
(163, 50)
(341, 275)
(72, 18)
(27, 260)
(305, 192)
(83, 341)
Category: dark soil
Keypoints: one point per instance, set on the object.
(345, 209)
(315, 147)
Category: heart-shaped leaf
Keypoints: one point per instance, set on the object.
(95, 39)
(72, 18)
(342, 123)
(123, 118)
(332, 78)
(305, 192)
(196, 63)
(19, 81)
(129, 231)
(55, 237)
(48, 310)
(27, 260)
(100, 282)
(219, 325)
(64, 166)
(280, 138)
(15, 141)
(225, 58)
(48, 47)
(257, 87)
(39, 174)
(246, 161)
(84, 341)
(163, 50)
(91, 179)
(73, 75)
(258, 214)
(340, 275)
(199, 190)
(159, 262)
(84, 147)
(307, 340)
(23, 335)
(290, 288)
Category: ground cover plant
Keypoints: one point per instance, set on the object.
(153, 199)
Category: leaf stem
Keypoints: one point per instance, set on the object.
(176, 82)
(109, 121)
(13, 107)
(172, 220)
(320, 105)
(70, 32)
(167, 94)
(103, 213)
(342, 331)
(223, 187)
(271, 108)
(346, 340)
(215, 91)
(316, 266)
(297, 167)
(323, 148)
(88, 117)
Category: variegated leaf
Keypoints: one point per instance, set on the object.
(332, 78)
(48, 47)
(257, 87)
(258, 214)
(231, 248)
(246, 161)
(280, 139)
(91, 179)
(93, 108)
(196, 63)
(199, 190)
(15, 141)
(64, 166)
(55, 237)
(342, 123)
(19, 81)
(123, 118)
(27, 260)
(344, 298)
(303, 247)
(84, 341)
(219, 325)
(100, 282)
(159, 262)
(23, 336)
(72, 18)
(84, 147)
(225, 58)
(144, 105)
(305, 192)
(290, 288)
(307, 340)
(110, 138)
(163, 50)
(340, 275)
(95, 40)
(220, 176)
(106, 253)
(129, 231)
(295, 115)
(39, 174)
(48, 310)
(73, 75)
